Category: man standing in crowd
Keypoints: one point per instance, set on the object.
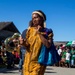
(22, 50)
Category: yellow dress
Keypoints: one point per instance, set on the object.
(31, 65)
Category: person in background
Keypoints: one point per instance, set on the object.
(67, 62)
(10, 45)
(1, 60)
(57, 48)
(72, 57)
(2, 51)
(16, 57)
(63, 58)
(60, 53)
(22, 50)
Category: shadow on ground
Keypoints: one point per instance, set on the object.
(5, 70)
(49, 70)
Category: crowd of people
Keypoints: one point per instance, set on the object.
(9, 51)
(67, 54)
(34, 49)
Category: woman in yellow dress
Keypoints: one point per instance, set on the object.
(33, 43)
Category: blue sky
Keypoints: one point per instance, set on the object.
(60, 15)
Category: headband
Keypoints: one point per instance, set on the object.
(39, 13)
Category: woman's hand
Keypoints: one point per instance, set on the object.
(38, 29)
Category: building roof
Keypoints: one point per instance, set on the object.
(9, 26)
(4, 24)
(7, 29)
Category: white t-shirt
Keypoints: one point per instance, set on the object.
(59, 51)
(67, 56)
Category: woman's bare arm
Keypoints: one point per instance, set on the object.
(46, 42)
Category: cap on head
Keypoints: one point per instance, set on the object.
(16, 35)
(40, 13)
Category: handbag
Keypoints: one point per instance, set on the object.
(48, 56)
(45, 56)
